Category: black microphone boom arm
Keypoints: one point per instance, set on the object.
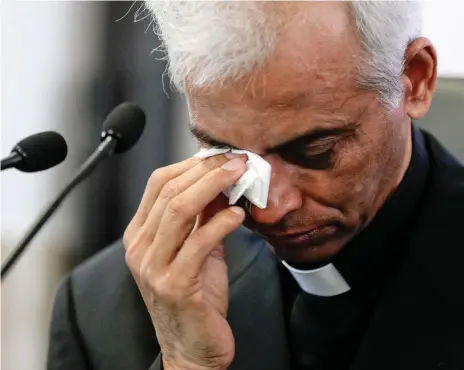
(121, 131)
(104, 150)
(11, 161)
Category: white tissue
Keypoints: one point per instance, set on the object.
(253, 184)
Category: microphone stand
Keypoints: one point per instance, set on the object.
(105, 149)
(11, 161)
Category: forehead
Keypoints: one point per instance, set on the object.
(311, 78)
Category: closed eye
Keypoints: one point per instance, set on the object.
(321, 146)
(315, 156)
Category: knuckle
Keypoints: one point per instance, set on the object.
(132, 239)
(127, 236)
(148, 277)
(159, 176)
(213, 162)
(221, 177)
(135, 246)
(197, 238)
(170, 190)
(132, 255)
(164, 289)
(176, 208)
(131, 234)
(131, 259)
(129, 239)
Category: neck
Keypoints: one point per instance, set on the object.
(406, 157)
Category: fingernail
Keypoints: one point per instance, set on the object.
(237, 210)
(231, 155)
(233, 165)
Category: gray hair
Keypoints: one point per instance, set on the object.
(212, 41)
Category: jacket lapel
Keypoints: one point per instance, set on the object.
(418, 322)
(255, 304)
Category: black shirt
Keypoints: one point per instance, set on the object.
(325, 332)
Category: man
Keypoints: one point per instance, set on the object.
(326, 93)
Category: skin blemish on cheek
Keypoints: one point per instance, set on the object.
(358, 188)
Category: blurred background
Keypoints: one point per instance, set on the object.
(64, 65)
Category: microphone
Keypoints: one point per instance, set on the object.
(37, 152)
(121, 131)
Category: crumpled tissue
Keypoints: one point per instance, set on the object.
(253, 184)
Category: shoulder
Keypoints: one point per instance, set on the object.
(104, 270)
(105, 297)
(437, 242)
(104, 283)
(106, 273)
(99, 309)
(445, 194)
(108, 310)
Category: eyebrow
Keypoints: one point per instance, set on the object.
(205, 138)
(304, 139)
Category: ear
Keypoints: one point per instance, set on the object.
(419, 76)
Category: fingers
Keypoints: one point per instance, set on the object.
(161, 244)
(164, 178)
(155, 184)
(180, 213)
(197, 196)
(176, 186)
(136, 239)
(141, 231)
(199, 245)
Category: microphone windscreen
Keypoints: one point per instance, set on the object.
(125, 122)
(41, 151)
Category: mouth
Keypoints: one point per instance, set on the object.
(310, 238)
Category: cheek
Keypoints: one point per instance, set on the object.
(353, 180)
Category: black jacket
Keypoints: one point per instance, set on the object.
(100, 322)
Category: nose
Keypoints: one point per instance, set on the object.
(283, 196)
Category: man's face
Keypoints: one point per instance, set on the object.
(336, 153)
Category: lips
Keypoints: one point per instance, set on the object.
(312, 237)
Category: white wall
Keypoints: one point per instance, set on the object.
(444, 25)
(49, 52)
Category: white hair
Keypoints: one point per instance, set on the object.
(208, 42)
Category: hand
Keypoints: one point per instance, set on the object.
(174, 250)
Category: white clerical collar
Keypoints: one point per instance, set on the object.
(324, 281)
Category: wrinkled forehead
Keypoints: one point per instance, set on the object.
(211, 42)
(314, 65)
